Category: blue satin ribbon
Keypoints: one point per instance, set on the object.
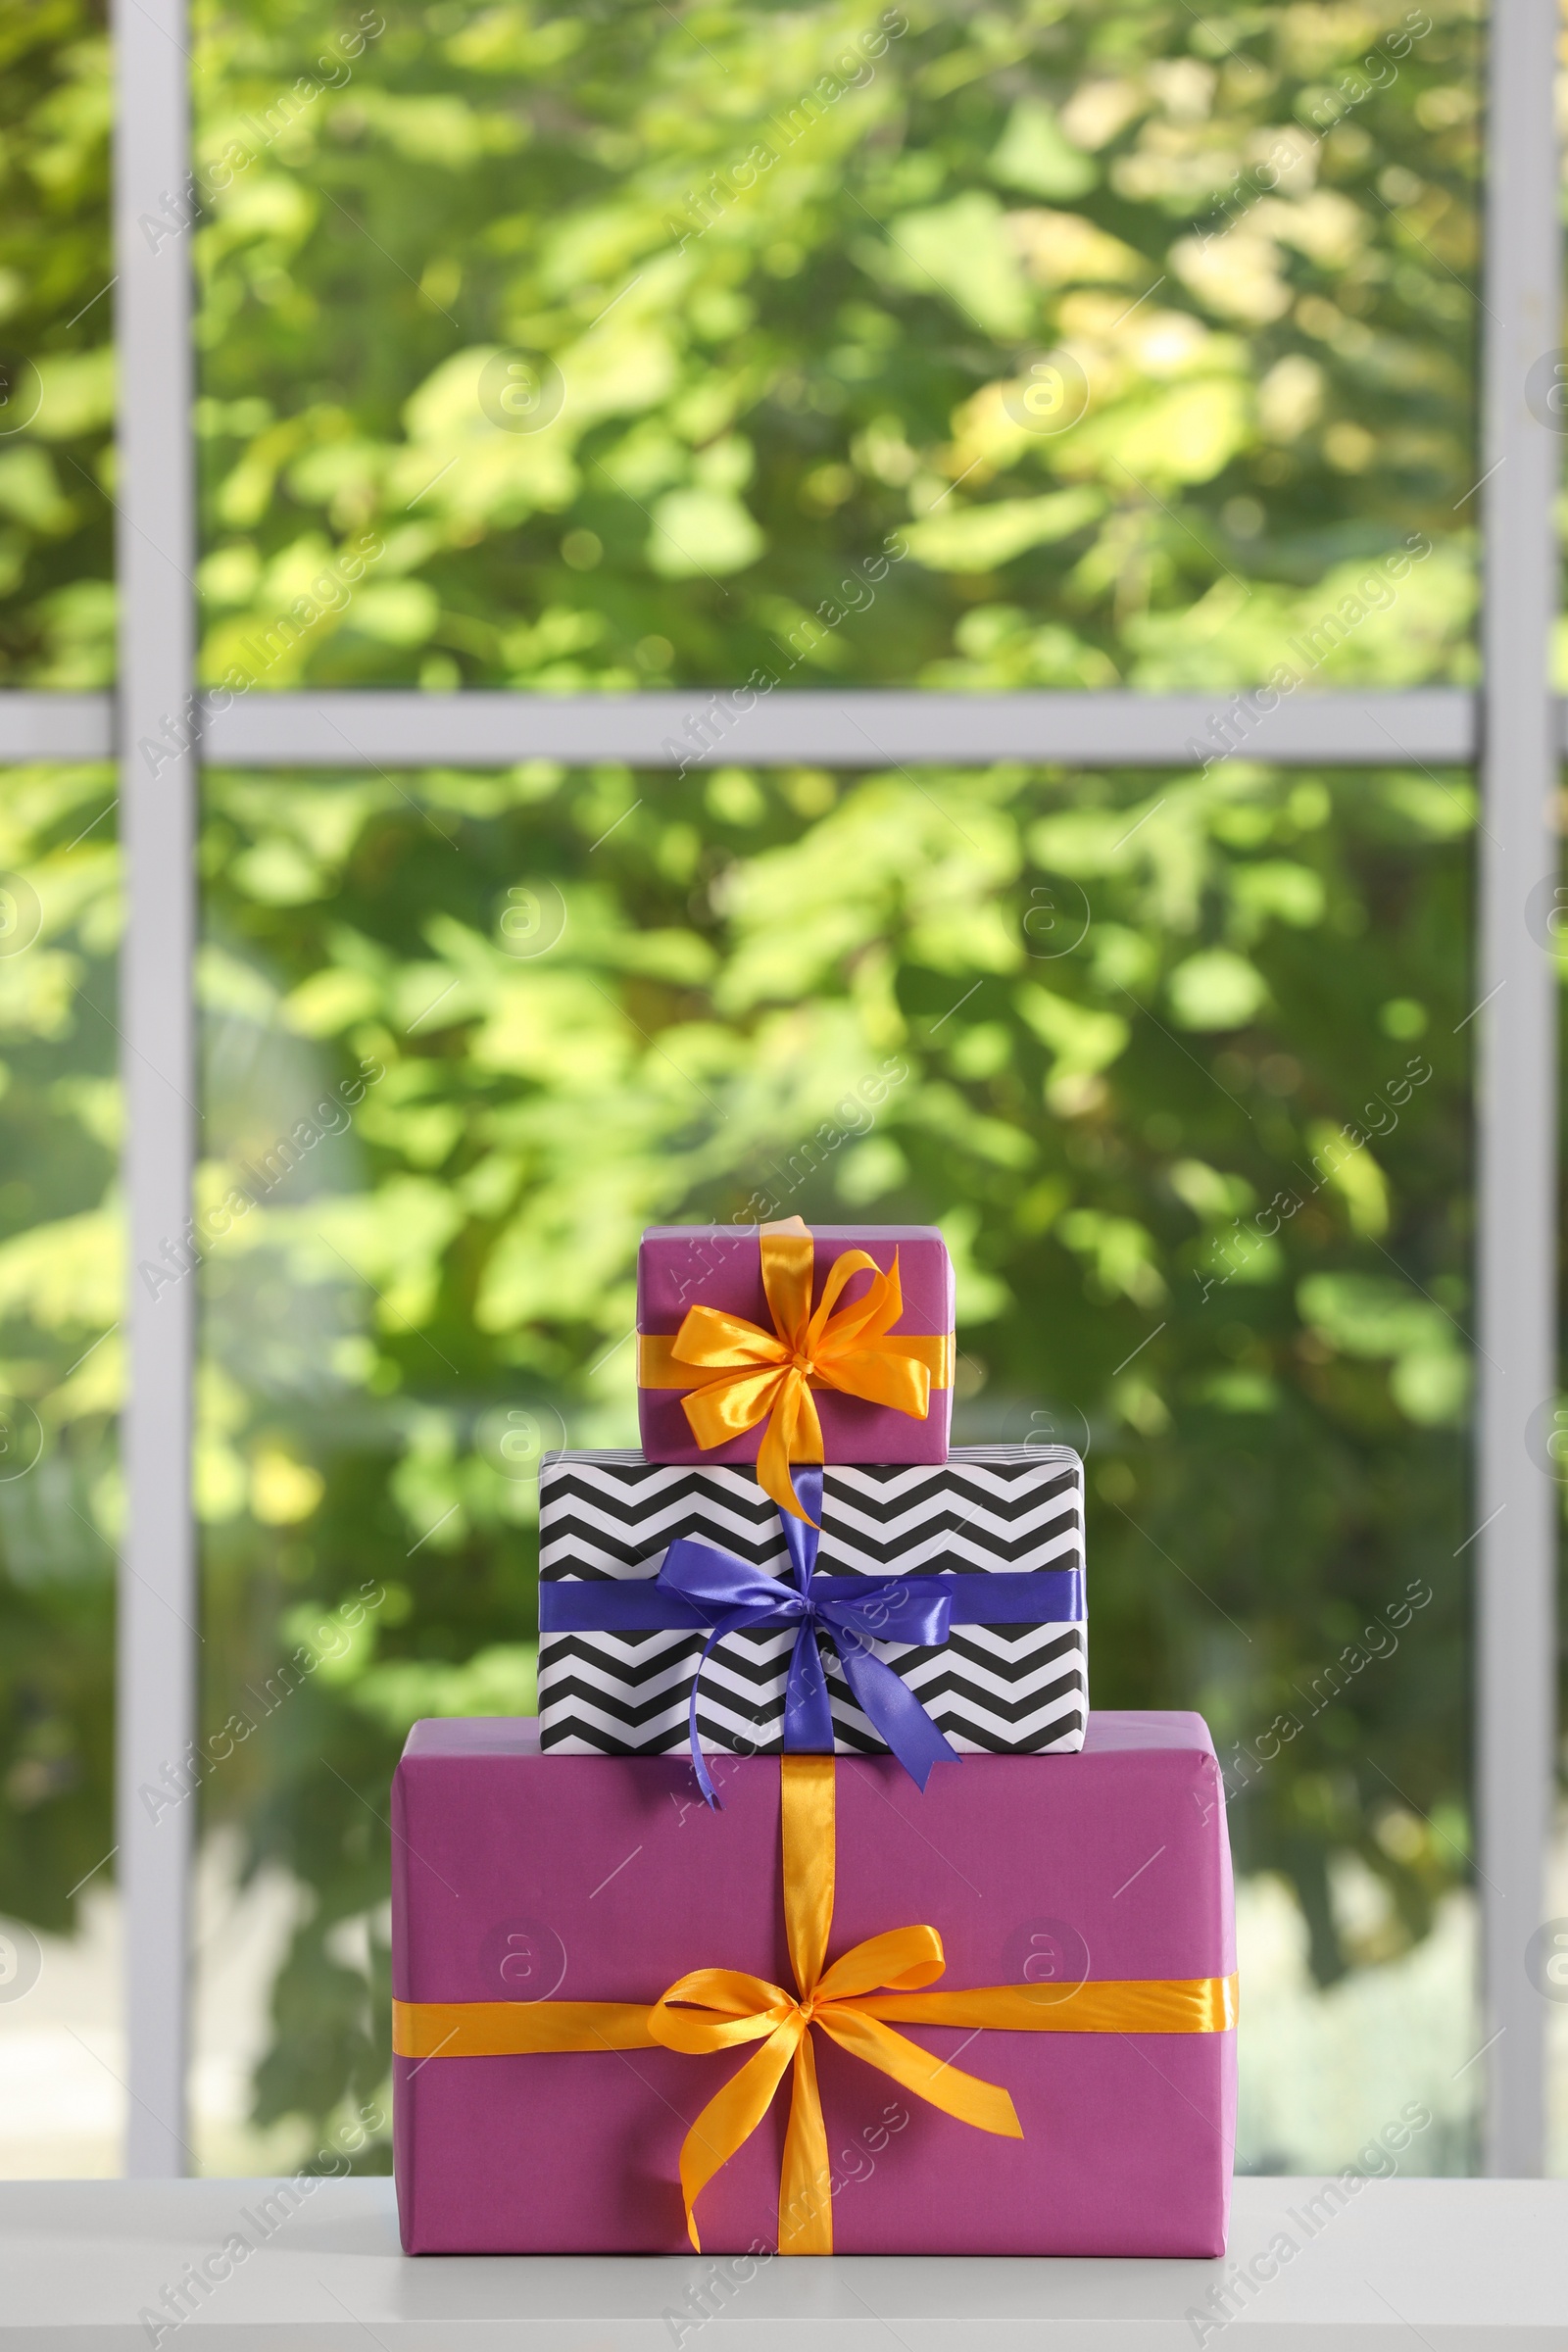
(698, 1585)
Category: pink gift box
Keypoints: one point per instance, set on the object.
(521, 1876)
(682, 1266)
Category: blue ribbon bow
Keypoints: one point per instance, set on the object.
(734, 1598)
(698, 1585)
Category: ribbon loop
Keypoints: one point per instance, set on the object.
(741, 2008)
(902, 1960)
(718, 1582)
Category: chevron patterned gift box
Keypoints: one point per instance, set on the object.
(991, 1511)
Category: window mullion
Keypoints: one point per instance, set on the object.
(1516, 984)
(155, 563)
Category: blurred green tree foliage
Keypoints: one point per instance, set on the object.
(1174, 1062)
(1132, 1016)
(60, 1358)
(1141, 324)
(57, 384)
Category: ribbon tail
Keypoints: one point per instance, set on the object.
(805, 2182)
(794, 1434)
(937, 2081)
(699, 1761)
(808, 1716)
(892, 1710)
(732, 2114)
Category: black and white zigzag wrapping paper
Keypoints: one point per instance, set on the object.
(987, 1511)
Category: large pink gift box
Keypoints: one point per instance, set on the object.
(682, 1266)
(517, 1876)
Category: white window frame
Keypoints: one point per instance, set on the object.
(1513, 731)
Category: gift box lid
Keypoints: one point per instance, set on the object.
(680, 1267)
(1123, 1844)
(1109, 1732)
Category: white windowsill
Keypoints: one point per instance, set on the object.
(1458, 2266)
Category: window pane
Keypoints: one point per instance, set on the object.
(1048, 345)
(56, 363)
(61, 2042)
(1181, 1065)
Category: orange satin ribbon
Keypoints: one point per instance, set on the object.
(769, 1374)
(718, 2008)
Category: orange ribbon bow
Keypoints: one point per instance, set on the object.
(741, 2008)
(715, 2009)
(770, 1374)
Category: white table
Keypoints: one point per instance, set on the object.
(1457, 2266)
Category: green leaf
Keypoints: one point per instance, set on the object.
(495, 1680)
(702, 531)
(1035, 153)
(960, 249)
(1216, 990)
(980, 538)
(1372, 1316)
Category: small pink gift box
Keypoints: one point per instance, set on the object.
(680, 1267)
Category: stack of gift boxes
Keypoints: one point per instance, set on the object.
(817, 1912)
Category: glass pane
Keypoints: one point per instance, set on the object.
(56, 363)
(1180, 1063)
(60, 2040)
(1055, 344)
